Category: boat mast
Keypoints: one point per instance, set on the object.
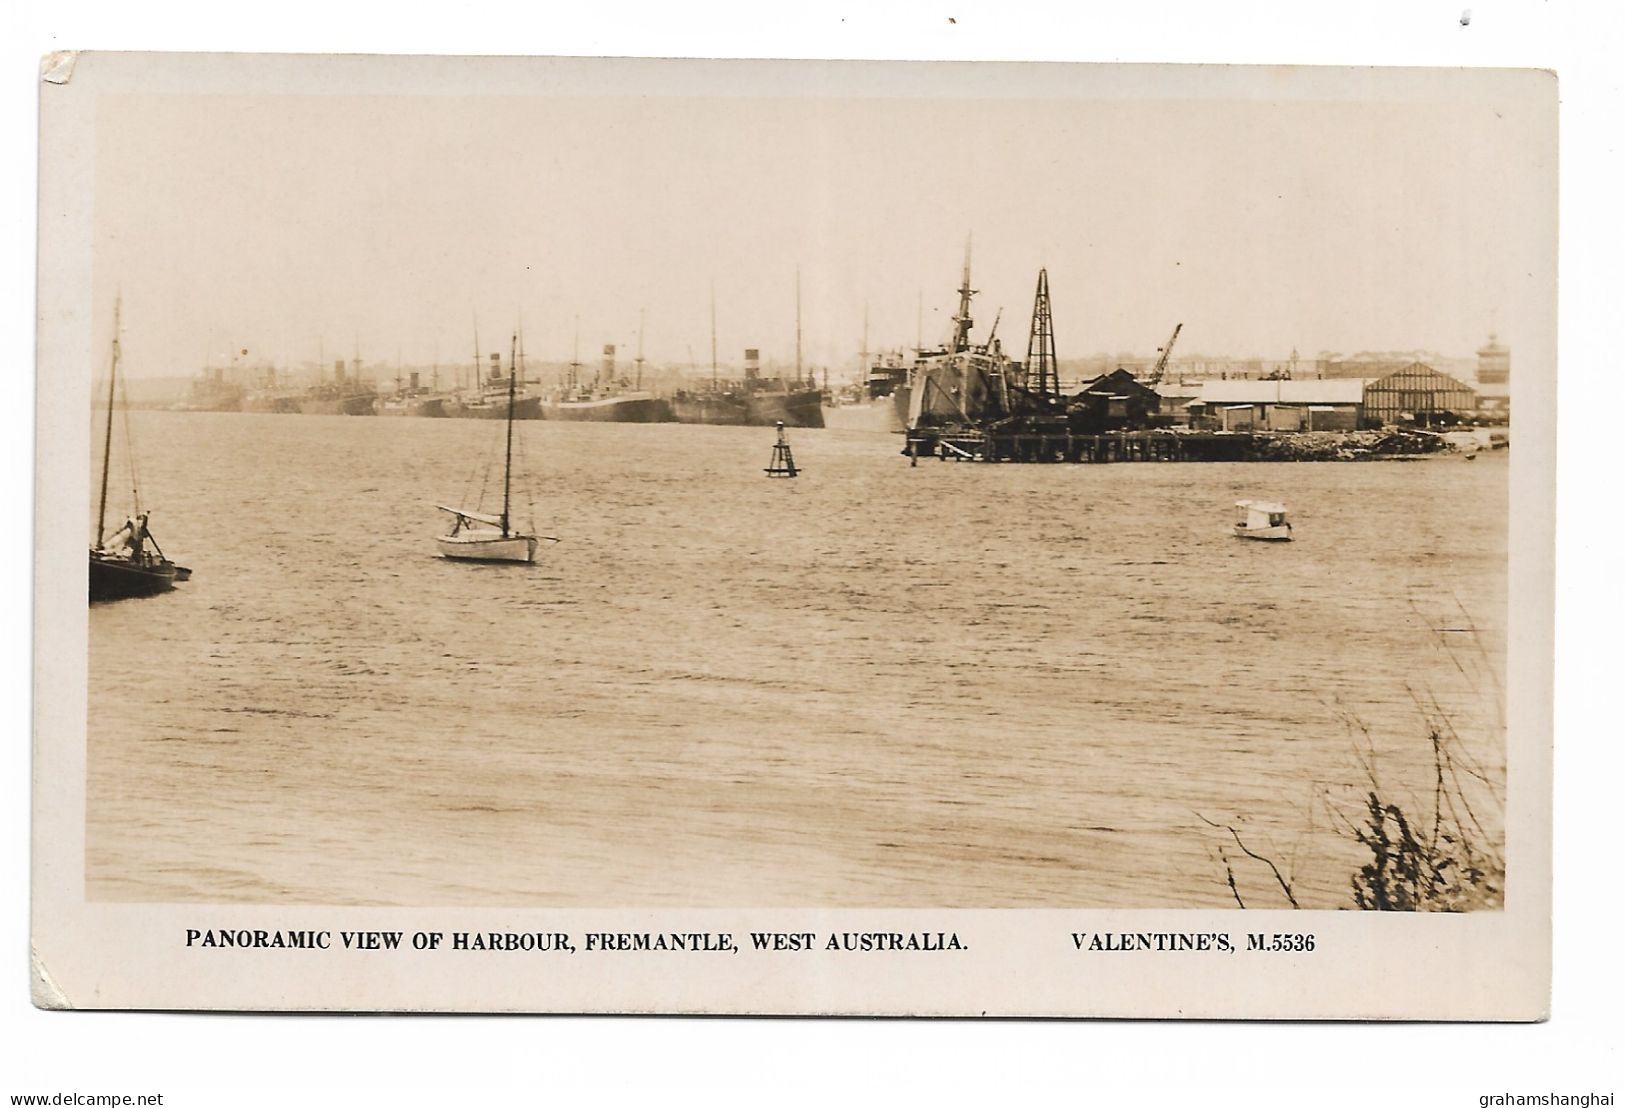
(107, 442)
(575, 358)
(507, 463)
(863, 369)
(798, 325)
(713, 334)
(639, 384)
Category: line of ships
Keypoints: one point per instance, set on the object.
(754, 400)
(960, 381)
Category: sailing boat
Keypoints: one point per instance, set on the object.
(128, 562)
(477, 537)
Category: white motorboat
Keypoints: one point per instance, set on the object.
(1262, 519)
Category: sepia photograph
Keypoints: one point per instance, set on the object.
(886, 498)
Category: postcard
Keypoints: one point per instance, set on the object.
(849, 538)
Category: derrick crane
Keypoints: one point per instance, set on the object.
(1162, 360)
(1043, 370)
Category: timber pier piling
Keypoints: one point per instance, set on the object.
(1065, 446)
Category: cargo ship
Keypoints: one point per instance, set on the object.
(879, 405)
(345, 394)
(411, 399)
(607, 398)
(756, 401)
(274, 401)
(211, 392)
(607, 407)
(491, 406)
(964, 383)
(491, 400)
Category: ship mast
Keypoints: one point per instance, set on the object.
(575, 357)
(798, 326)
(507, 462)
(713, 334)
(639, 383)
(107, 441)
(863, 370)
(962, 320)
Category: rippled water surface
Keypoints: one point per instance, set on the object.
(875, 685)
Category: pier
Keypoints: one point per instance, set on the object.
(1029, 444)
(1064, 446)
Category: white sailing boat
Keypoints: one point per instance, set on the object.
(480, 537)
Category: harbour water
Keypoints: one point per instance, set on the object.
(953, 685)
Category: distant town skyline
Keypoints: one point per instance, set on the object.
(1265, 211)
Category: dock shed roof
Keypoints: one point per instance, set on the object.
(1341, 390)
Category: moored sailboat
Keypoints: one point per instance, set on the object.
(128, 562)
(482, 537)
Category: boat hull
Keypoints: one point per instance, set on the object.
(879, 416)
(713, 409)
(431, 408)
(524, 407)
(793, 409)
(610, 409)
(122, 579)
(272, 404)
(1282, 533)
(360, 404)
(755, 409)
(487, 546)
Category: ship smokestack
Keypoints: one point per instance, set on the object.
(338, 370)
(753, 363)
(607, 371)
(496, 368)
(413, 377)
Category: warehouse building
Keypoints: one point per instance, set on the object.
(1419, 394)
(1331, 405)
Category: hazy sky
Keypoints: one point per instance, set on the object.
(292, 223)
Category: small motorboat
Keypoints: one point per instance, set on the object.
(1262, 519)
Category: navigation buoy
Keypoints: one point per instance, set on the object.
(783, 464)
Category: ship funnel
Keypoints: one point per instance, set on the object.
(608, 368)
(338, 370)
(496, 368)
(413, 378)
(753, 364)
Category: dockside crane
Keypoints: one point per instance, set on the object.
(1162, 360)
(1043, 368)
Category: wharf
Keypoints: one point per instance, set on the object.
(1065, 446)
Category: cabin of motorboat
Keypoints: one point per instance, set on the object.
(1262, 519)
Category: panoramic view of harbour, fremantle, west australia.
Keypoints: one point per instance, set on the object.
(818, 582)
